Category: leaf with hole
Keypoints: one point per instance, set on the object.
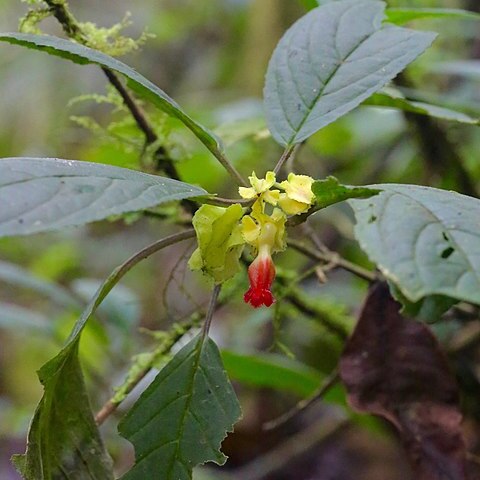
(425, 240)
(41, 194)
(183, 416)
(84, 55)
(330, 61)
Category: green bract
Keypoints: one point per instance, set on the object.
(220, 241)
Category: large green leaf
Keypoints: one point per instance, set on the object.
(330, 61)
(401, 16)
(65, 397)
(64, 443)
(84, 55)
(393, 99)
(37, 195)
(183, 416)
(425, 240)
(273, 371)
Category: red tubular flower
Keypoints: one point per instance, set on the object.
(261, 274)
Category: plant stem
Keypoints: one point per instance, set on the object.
(225, 202)
(287, 153)
(276, 460)
(301, 406)
(211, 310)
(335, 259)
(229, 167)
(73, 30)
(175, 335)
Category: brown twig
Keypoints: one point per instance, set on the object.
(293, 447)
(288, 152)
(111, 405)
(304, 404)
(333, 258)
(71, 27)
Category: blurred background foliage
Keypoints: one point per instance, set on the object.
(211, 56)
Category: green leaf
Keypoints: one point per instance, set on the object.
(400, 16)
(309, 4)
(330, 191)
(38, 195)
(183, 416)
(84, 55)
(329, 62)
(272, 371)
(425, 240)
(63, 386)
(220, 241)
(392, 98)
(64, 443)
(15, 275)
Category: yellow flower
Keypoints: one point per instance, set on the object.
(260, 187)
(298, 194)
(266, 233)
(259, 229)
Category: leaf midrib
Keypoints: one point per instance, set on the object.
(187, 406)
(329, 78)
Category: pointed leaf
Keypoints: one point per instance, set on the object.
(393, 367)
(400, 16)
(63, 439)
(65, 397)
(183, 416)
(393, 99)
(41, 194)
(330, 61)
(425, 240)
(330, 191)
(84, 55)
